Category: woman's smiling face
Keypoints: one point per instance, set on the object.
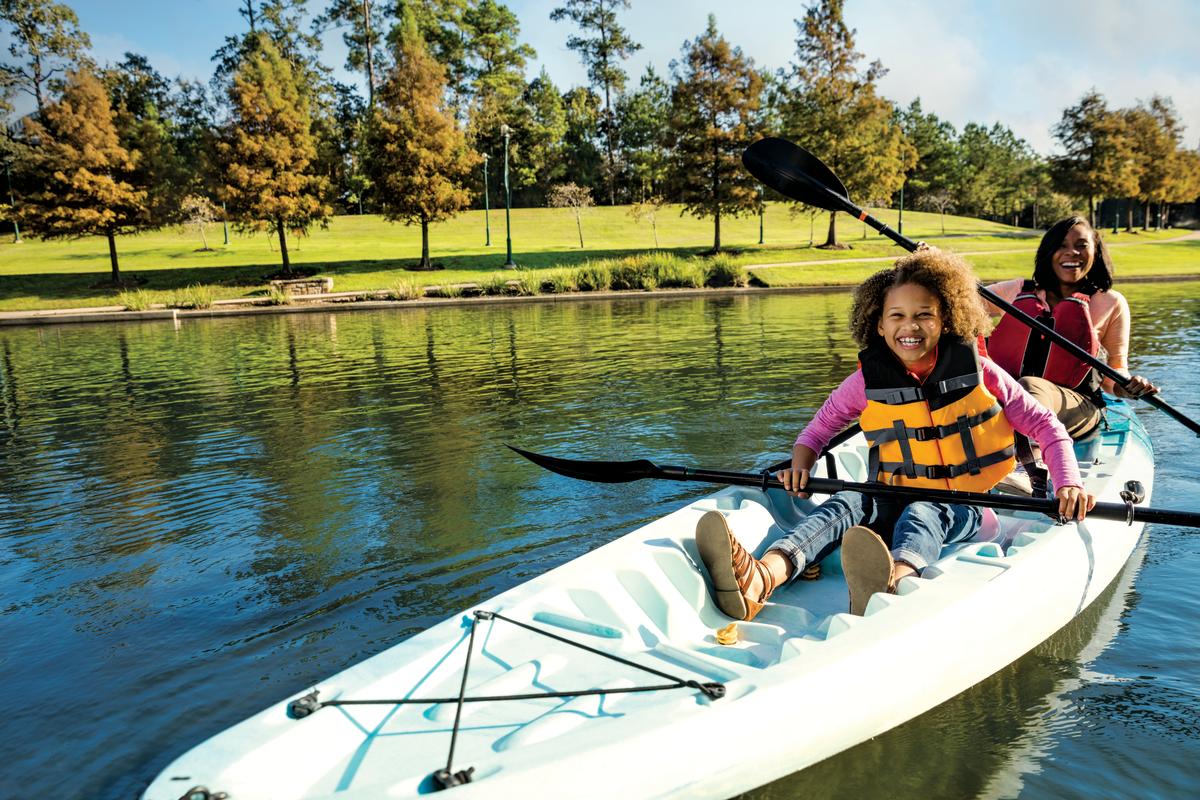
(1073, 258)
(911, 323)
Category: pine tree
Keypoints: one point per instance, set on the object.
(268, 149)
(714, 102)
(417, 155)
(46, 43)
(364, 24)
(86, 175)
(643, 117)
(603, 45)
(836, 113)
(1156, 135)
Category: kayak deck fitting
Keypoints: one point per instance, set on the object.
(804, 681)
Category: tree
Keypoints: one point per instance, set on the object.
(46, 42)
(836, 112)
(713, 103)
(603, 45)
(143, 109)
(1099, 158)
(417, 155)
(85, 175)
(542, 137)
(198, 212)
(584, 166)
(364, 25)
(938, 158)
(647, 209)
(576, 198)
(643, 117)
(267, 150)
(1156, 134)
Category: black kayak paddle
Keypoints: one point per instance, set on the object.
(797, 174)
(642, 469)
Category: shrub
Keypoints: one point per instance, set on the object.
(494, 284)
(559, 281)
(278, 297)
(631, 273)
(136, 300)
(721, 271)
(594, 276)
(673, 272)
(447, 290)
(193, 296)
(406, 290)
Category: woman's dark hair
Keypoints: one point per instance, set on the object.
(1099, 276)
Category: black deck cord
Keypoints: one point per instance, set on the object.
(446, 778)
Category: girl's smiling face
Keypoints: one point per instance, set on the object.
(911, 323)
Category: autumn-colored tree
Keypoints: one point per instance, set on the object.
(602, 47)
(267, 150)
(417, 156)
(45, 44)
(85, 176)
(713, 103)
(836, 113)
(1099, 157)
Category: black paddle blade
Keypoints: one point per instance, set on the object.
(795, 173)
(594, 471)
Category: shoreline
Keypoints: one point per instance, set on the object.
(351, 301)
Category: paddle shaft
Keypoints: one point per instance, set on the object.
(837, 202)
(1117, 511)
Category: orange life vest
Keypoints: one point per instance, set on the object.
(948, 432)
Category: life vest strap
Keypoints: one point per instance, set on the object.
(896, 396)
(961, 382)
(935, 472)
(930, 432)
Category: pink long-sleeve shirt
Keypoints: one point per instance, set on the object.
(1025, 414)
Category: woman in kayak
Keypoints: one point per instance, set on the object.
(1071, 291)
(936, 416)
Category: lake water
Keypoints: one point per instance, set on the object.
(197, 522)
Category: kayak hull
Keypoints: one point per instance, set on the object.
(805, 681)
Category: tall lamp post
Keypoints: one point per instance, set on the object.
(16, 225)
(487, 217)
(761, 208)
(508, 264)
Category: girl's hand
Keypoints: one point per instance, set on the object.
(1136, 387)
(1074, 503)
(793, 481)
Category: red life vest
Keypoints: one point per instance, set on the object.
(1022, 351)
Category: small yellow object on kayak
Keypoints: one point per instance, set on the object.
(728, 634)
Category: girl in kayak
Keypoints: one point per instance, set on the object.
(1071, 291)
(935, 414)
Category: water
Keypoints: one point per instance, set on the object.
(196, 522)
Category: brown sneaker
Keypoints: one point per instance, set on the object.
(731, 568)
(867, 564)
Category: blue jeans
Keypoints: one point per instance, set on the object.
(917, 530)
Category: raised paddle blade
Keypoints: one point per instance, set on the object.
(595, 471)
(795, 173)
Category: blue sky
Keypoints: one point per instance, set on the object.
(1019, 62)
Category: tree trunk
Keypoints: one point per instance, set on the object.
(944, 222)
(112, 257)
(1146, 216)
(425, 244)
(287, 265)
(1129, 215)
(831, 239)
(366, 12)
(717, 230)
(1091, 211)
(579, 227)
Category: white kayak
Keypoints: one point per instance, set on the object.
(804, 681)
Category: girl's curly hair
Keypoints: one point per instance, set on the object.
(944, 274)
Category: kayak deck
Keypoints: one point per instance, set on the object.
(643, 598)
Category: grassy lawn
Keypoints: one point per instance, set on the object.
(367, 253)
